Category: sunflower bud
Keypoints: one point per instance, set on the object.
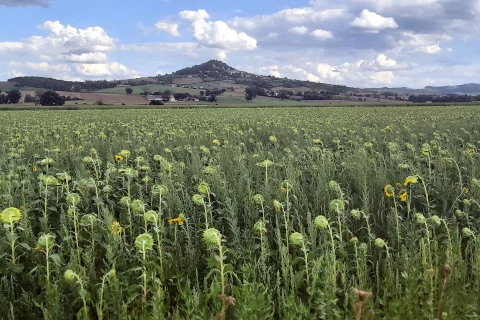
(138, 206)
(69, 275)
(436, 220)
(467, 233)
(321, 222)
(420, 218)
(144, 242)
(10, 215)
(379, 242)
(296, 238)
(258, 199)
(198, 200)
(125, 201)
(260, 227)
(203, 188)
(212, 236)
(336, 205)
(151, 216)
(355, 214)
(73, 199)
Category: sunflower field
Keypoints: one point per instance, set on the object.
(275, 213)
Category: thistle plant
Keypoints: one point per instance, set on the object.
(46, 181)
(109, 276)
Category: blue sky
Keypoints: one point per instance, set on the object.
(361, 43)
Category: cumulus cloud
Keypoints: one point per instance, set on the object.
(299, 30)
(70, 51)
(168, 27)
(194, 15)
(321, 34)
(217, 34)
(24, 3)
(373, 22)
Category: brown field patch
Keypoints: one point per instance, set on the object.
(112, 97)
(303, 89)
(193, 80)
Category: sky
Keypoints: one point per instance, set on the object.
(358, 43)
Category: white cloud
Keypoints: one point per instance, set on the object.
(383, 61)
(425, 43)
(321, 34)
(373, 22)
(301, 30)
(296, 16)
(217, 34)
(382, 77)
(67, 52)
(24, 3)
(168, 27)
(194, 15)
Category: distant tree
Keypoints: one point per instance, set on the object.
(202, 93)
(282, 95)
(223, 91)
(29, 98)
(212, 98)
(51, 98)
(129, 90)
(146, 91)
(167, 92)
(208, 92)
(3, 98)
(14, 96)
(166, 96)
(156, 103)
(299, 93)
(248, 97)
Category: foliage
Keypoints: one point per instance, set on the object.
(279, 213)
(156, 103)
(51, 98)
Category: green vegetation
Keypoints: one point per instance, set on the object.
(150, 87)
(281, 213)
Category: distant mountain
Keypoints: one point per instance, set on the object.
(467, 88)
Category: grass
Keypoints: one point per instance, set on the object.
(240, 213)
(152, 88)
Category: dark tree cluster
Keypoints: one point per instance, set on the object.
(422, 98)
(10, 97)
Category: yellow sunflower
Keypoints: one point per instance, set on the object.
(118, 158)
(388, 190)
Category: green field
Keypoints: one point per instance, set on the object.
(152, 88)
(241, 213)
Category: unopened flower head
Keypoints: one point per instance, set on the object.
(420, 218)
(379, 242)
(277, 205)
(260, 227)
(286, 186)
(73, 199)
(258, 199)
(198, 199)
(151, 216)
(203, 188)
(88, 220)
(356, 214)
(144, 242)
(212, 237)
(296, 238)
(138, 206)
(337, 205)
(69, 275)
(321, 222)
(10, 215)
(436, 220)
(125, 201)
(160, 189)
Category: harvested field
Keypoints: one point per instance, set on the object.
(187, 80)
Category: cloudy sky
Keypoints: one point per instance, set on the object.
(360, 43)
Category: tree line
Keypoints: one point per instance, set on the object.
(62, 85)
(44, 98)
(422, 98)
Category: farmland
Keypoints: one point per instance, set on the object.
(274, 213)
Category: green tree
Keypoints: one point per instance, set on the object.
(129, 90)
(202, 93)
(51, 98)
(166, 96)
(14, 96)
(248, 97)
(29, 98)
